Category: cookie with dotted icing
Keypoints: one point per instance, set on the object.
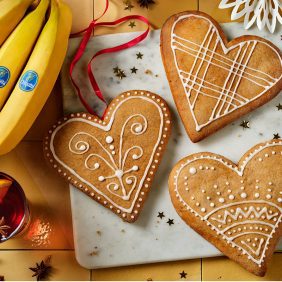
(215, 81)
(113, 160)
(236, 207)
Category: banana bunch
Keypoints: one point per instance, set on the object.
(30, 61)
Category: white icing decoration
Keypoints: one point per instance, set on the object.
(256, 195)
(221, 200)
(192, 170)
(110, 162)
(268, 197)
(279, 200)
(109, 139)
(204, 57)
(243, 195)
(231, 197)
(248, 215)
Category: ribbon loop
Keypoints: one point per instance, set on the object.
(86, 37)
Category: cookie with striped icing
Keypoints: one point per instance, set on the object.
(236, 207)
(113, 160)
(215, 81)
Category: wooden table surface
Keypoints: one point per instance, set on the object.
(50, 232)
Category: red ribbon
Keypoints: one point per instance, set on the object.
(80, 51)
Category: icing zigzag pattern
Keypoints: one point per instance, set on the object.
(245, 214)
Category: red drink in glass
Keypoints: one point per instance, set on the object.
(14, 211)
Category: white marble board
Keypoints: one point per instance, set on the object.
(101, 238)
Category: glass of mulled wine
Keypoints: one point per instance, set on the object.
(14, 211)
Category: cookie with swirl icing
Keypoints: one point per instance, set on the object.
(236, 207)
(215, 81)
(113, 160)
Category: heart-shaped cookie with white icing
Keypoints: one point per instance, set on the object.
(113, 160)
(238, 208)
(214, 81)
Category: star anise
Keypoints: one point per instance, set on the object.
(146, 3)
(42, 270)
(3, 227)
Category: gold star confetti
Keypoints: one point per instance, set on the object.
(276, 136)
(116, 69)
(245, 124)
(119, 72)
(128, 5)
(132, 24)
(279, 107)
(139, 55)
(134, 70)
(183, 274)
(170, 221)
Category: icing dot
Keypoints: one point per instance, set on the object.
(257, 187)
(203, 191)
(215, 186)
(231, 197)
(192, 170)
(229, 191)
(212, 205)
(208, 197)
(109, 139)
(266, 155)
(260, 159)
(257, 181)
(221, 200)
(135, 168)
(96, 165)
(193, 198)
(138, 129)
(268, 196)
(243, 195)
(203, 210)
(270, 183)
(200, 167)
(242, 188)
(279, 200)
(82, 148)
(101, 178)
(112, 147)
(134, 157)
(227, 183)
(119, 173)
(197, 204)
(128, 181)
(256, 195)
(218, 193)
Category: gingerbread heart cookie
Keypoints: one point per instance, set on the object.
(113, 160)
(214, 81)
(238, 208)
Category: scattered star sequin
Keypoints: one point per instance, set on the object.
(276, 136)
(183, 274)
(170, 222)
(119, 72)
(128, 5)
(161, 215)
(132, 24)
(279, 107)
(145, 3)
(139, 55)
(245, 124)
(134, 70)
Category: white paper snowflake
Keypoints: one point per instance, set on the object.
(263, 12)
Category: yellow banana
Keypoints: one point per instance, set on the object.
(17, 48)
(11, 12)
(37, 79)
